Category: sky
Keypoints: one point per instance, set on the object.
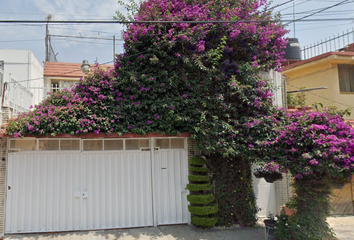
(79, 46)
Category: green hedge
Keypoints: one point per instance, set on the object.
(198, 169)
(199, 178)
(203, 207)
(198, 187)
(203, 210)
(201, 199)
(196, 160)
(204, 221)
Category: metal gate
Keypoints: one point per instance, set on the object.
(65, 191)
(342, 200)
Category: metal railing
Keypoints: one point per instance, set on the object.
(20, 98)
(333, 43)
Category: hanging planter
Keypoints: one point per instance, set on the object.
(258, 174)
(272, 177)
(268, 176)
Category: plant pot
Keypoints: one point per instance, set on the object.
(258, 174)
(269, 226)
(272, 177)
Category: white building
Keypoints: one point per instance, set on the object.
(21, 73)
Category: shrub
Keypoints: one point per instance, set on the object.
(197, 160)
(199, 178)
(204, 221)
(203, 208)
(198, 187)
(201, 199)
(198, 169)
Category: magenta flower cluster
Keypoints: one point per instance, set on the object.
(315, 144)
(264, 39)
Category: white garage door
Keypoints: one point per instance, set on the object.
(58, 185)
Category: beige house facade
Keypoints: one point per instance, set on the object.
(332, 71)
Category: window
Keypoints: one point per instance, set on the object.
(346, 78)
(69, 144)
(170, 143)
(23, 144)
(57, 85)
(93, 145)
(136, 144)
(48, 145)
(113, 145)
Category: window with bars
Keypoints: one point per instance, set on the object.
(346, 78)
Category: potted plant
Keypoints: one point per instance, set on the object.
(270, 223)
(270, 173)
(273, 176)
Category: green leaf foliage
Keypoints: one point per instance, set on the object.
(198, 178)
(201, 199)
(204, 221)
(203, 210)
(197, 160)
(198, 187)
(198, 169)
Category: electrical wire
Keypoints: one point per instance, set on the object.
(99, 38)
(281, 4)
(60, 75)
(294, 5)
(65, 22)
(318, 71)
(310, 92)
(22, 40)
(323, 9)
(83, 41)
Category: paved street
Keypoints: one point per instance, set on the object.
(343, 226)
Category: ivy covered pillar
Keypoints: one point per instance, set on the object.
(233, 190)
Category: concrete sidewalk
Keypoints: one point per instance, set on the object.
(176, 232)
(343, 227)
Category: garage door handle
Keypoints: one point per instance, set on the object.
(9, 187)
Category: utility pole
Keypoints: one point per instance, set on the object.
(114, 48)
(47, 52)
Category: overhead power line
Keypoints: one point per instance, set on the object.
(281, 4)
(60, 75)
(100, 38)
(23, 40)
(323, 9)
(161, 22)
(320, 96)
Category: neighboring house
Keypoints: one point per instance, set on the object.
(60, 75)
(332, 70)
(21, 73)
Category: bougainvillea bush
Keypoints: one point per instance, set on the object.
(315, 147)
(313, 144)
(198, 77)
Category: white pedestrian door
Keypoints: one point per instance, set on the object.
(78, 191)
(171, 170)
